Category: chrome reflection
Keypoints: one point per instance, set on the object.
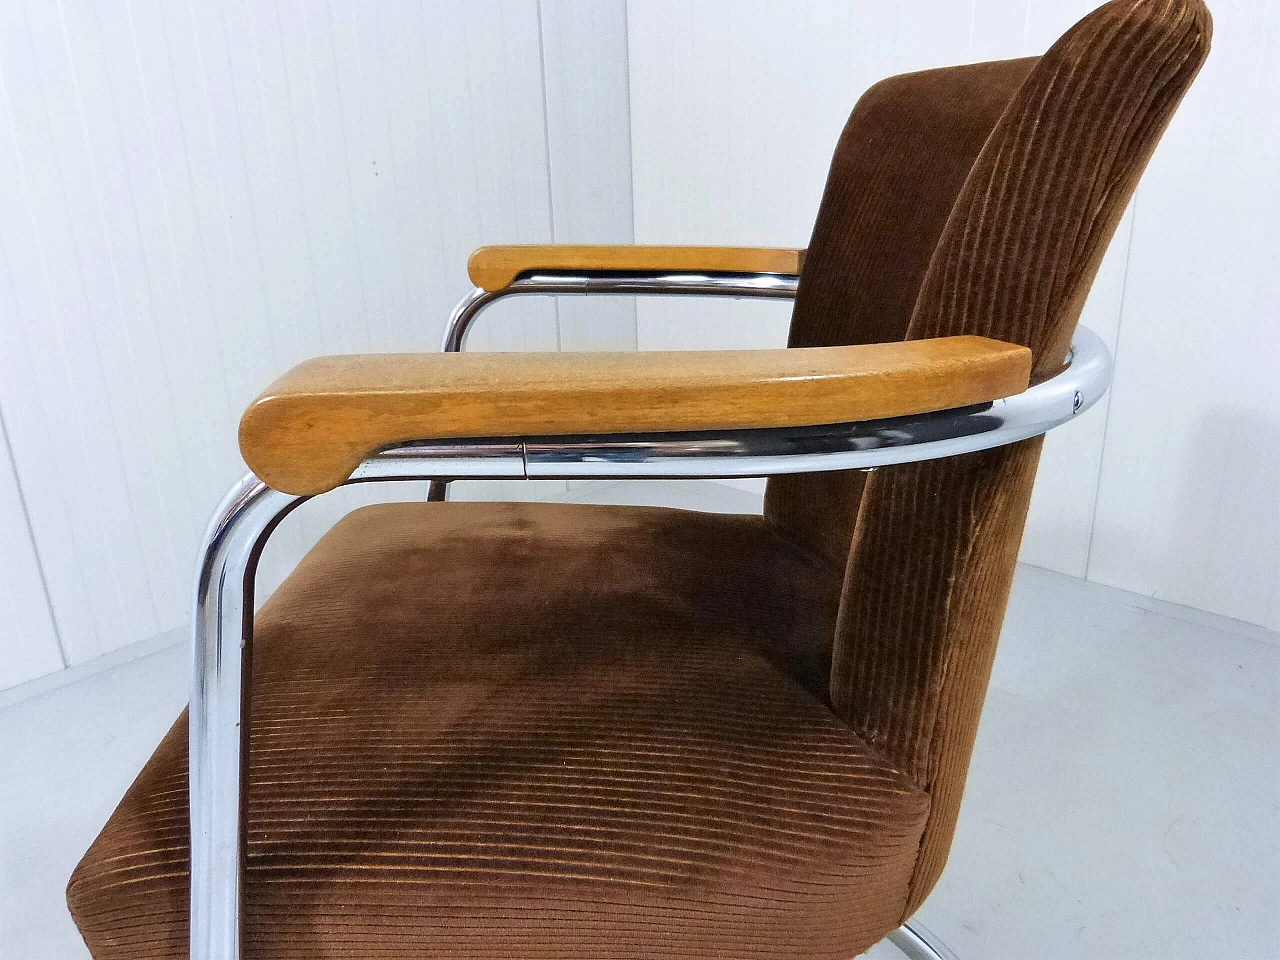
(843, 446)
(776, 285)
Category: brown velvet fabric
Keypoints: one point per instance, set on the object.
(535, 731)
(496, 731)
(900, 163)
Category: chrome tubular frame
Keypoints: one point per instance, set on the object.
(219, 714)
(777, 285)
(843, 446)
(917, 943)
(222, 641)
(224, 589)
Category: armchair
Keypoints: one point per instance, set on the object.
(495, 730)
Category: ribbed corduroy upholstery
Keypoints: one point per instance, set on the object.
(903, 156)
(500, 731)
(571, 732)
(935, 544)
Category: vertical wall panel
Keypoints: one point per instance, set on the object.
(584, 50)
(1189, 499)
(733, 121)
(196, 196)
(29, 640)
(51, 258)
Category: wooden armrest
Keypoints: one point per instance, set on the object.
(317, 423)
(493, 268)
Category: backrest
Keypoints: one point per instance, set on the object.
(898, 167)
(987, 211)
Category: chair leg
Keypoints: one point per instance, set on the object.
(917, 943)
(222, 628)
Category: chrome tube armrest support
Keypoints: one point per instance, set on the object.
(774, 285)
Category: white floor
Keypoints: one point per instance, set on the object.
(1123, 801)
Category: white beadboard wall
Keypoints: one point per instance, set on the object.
(196, 194)
(1189, 493)
(1171, 488)
(28, 642)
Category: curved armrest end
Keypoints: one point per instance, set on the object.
(303, 454)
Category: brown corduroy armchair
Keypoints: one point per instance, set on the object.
(547, 731)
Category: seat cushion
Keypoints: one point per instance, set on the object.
(502, 730)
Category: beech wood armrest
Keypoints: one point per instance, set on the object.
(493, 268)
(311, 428)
